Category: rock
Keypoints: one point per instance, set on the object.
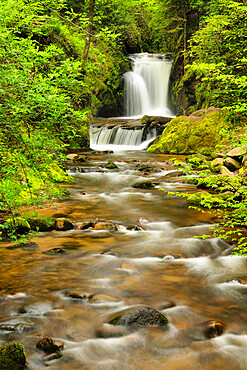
(111, 166)
(76, 295)
(55, 251)
(72, 157)
(101, 298)
(47, 345)
(242, 281)
(143, 185)
(237, 152)
(216, 164)
(108, 226)
(196, 159)
(231, 164)
(12, 356)
(111, 253)
(63, 224)
(139, 316)
(133, 228)
(85, 225)
(18, 224)
(41, 224)
(81, 158)
(213, 329)
(225, 172)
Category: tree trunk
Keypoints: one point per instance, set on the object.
(185, 37)
(89, 31)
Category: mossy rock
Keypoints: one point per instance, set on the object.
(143, 185)
(139, 316)
(12, 356)
(111, 166)
(41, 224)
(197, 159)
(18, 224)
(216, 164)
(193, 134)
(63, 224)
(81, 158)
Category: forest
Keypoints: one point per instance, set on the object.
(62, 66)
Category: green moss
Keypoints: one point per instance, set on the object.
(111, 165)
(143, 185)
(12, 356)
(188, 135)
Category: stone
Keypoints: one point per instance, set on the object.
(133, 228)
(143, 185)
(41, 224)
(111, 166)
(55, 251)
(225, 172)
(139, 316)
(107, 226)
(237, 152)
(47, 345)
(72, 157)
(213, 329)
(101, 298)
(85, 225)
(76, 295)
(63, 224)
(216, 164)
(231, 164)
(12, 356)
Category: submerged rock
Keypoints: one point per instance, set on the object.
(143, 185)
(108, 226)
(54, 251)
(101, 298)
(111, 165)
(47, 345)
(213, 329)
(139, 316)
(63, 224)
(12, 356)
(76, 295)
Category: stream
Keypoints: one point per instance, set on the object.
(151, 259)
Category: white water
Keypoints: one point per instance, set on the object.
(147, 86)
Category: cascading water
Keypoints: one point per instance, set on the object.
(146, 93)
(147, 85)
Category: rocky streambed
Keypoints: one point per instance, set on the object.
(119, 281)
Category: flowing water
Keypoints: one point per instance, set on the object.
(159, 263)
(147, 85)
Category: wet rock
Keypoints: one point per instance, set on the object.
(101, 298)
(72, 157)
(85, 225)
(12, 356)
(55, 251)
(108, 226)
(242, 281)
(81, 158)
(76, 295)
(47, 345)
(143, 185)
(231, 164)
(139, 316)
(110, 253)
(133, 228)
(111, 166)
(213, 329)
(216, 164)
(41, 224)
(17, 326)
(18, 224)
(110, 331)
(63, 224)
(107, 152)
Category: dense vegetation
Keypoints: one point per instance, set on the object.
(62, 62)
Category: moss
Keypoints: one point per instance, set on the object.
(188, 135)
(111, 165)
(41, 223)
(12, 356)
(18, 224)
(143, 185)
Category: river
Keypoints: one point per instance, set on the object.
(159, 263)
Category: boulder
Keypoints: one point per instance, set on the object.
(76, 295)
(108, 226)
(18, 224)
(41, 224)
(213, 329)
(111, 166)
(143, 185)
(231, 164)
(196, 159)
(63, 224)
(12, 356)
(47, 345)
(72, 157)
(237, 152)
(225, 172)
(139, 316)
(216, 164)
(101, 298)
(85, 225)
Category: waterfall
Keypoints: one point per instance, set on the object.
(146, 93)
(120, 138)
(147, 85)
